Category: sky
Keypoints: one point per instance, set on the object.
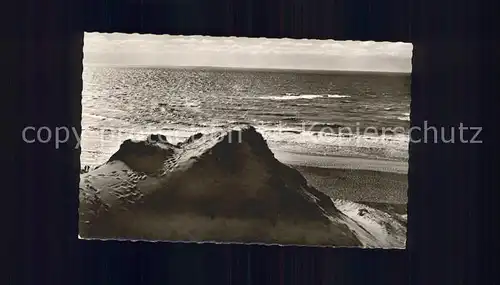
(164, 50)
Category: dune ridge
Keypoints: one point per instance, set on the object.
(223, 187)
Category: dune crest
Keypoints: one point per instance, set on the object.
(223, 187)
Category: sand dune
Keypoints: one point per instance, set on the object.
(224, 187)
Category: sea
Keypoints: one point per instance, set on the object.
(353, 114)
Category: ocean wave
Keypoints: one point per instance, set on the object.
(327, 138)
(405, 117)
(338, 96)
(303, 96)
(291, 97)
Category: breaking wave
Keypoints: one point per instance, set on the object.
(303, 96)
(405, 117)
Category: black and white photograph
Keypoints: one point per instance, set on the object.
(245, 140)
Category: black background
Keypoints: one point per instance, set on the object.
(451, 197)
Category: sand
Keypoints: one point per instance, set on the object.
(341, 162)
(210, 188)
(358, 185)
(352, 178)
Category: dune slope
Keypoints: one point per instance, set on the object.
(225, 187)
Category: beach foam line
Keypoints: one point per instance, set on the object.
(405, 117)
(338, 96)
(123, 196)
(291, 97)
(303, 96)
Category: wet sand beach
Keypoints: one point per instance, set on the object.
(355, 179)
(358, 185)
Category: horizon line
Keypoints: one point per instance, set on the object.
(257, 69)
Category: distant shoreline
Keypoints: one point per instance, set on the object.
(262, 70)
